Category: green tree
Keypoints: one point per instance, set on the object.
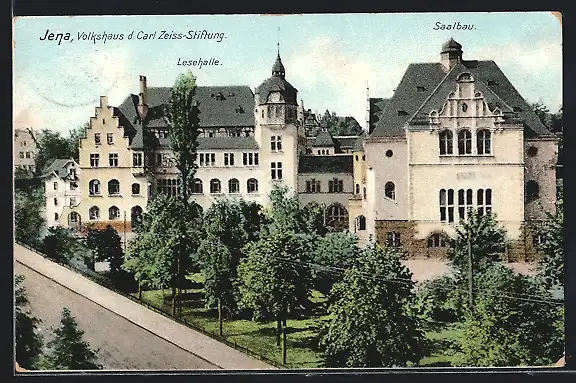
(163, 250)
(508, 326)
(487, 241)
(59, 244)
(107, 247)
(28, 220)
(51, 145)
(68, 351)
(74, 136)
(551, 266)
(182, 114)
(275, 280)
(334, 250)
(28, 340)
(371, 324)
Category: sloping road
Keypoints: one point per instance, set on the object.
(129, 335)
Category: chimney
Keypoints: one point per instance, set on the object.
(142, 98)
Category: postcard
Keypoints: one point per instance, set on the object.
(267, 192)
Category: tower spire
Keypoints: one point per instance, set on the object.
(278, 44)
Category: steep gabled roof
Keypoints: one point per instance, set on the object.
(323, 139)
(425, 87)
(376, 107)
(58, 168)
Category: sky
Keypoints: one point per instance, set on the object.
(329, 58)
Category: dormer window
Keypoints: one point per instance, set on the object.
(220, 96)
(518, 109)
(465, 77)
(492, 83)
(421, 89)
(402, 112)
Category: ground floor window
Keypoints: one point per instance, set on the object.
(437, 240)
(392, 239)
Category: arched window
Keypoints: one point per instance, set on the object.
(135, 189)
(197, 187)
(483, 141)
(233, 186)
(532, 190)
(74, 217)
(464, 142)
(215, 186)
(113, 187)
(360, 223)
(252, 185)
(94, 212)
(136, 216)
(337, 217)
(113, 212)
(437, 240)
(357, 188)
(94, 187)
(390, 190)
(445, 139)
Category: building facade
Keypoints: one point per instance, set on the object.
(455, 135)
(63, 193)
(25, 150)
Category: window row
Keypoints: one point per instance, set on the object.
(72, 201)
(464, 142)
(94, 188)
(465, 203)
(26, 154)
(113, 160)
(113, 214)
(335, 185)
(173, 186)
(109, 136)
(209, 159)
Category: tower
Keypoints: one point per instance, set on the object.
(277, 130)
(451, 54)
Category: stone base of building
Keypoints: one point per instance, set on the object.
(522, 249)
(119, 226)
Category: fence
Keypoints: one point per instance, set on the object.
(104, 282)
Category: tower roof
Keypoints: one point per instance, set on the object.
(451, 46)
(278, 67)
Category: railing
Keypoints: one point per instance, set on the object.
(104, 282)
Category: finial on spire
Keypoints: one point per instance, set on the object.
(278, 44)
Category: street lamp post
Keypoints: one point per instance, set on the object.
(124, 231)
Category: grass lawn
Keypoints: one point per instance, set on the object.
(301, 338)
(445, 338)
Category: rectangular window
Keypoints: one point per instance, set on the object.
(55, 201)
(28, 154)
(245, 159)
(110, 138)
(72, 201)
(229, 159)
(276, 170)
(113, 159)
(137, 159)
(97, 138)
(447, 205)
(158, 159)
(21, 154)
(55, 185)
(170, 186)
(276, 143)
(313, 186)
(94, 160)
(335, 186)
(207, 159)
(392, 239)
(250, 159)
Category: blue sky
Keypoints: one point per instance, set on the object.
(327, 57)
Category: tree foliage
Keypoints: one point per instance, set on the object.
(340, 126)
(552, 265)
(68, 351)
(169, 231)
(28, 220)
(107, 247)
(487, 240)
(52, 145)
(182, 114)
(28, 340)
(371, 323)
(59, 244)
(507, 327)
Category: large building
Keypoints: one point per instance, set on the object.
(455, 135)
(25, 150)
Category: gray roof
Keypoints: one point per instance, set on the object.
(227, 143)
(426, 86)
(376, 106)
(58, 166)
(358, 144)
(326, 164)
(323, 139)
(344, 142)
(278, 84)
